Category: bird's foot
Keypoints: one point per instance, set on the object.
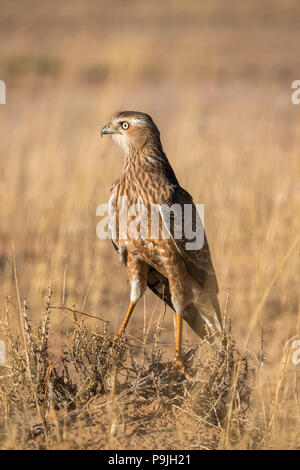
(119, 334)
(178, 364)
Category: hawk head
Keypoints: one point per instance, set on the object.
(132, 130)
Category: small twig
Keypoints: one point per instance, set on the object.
(64, 286)
(88, 289)
(73, 310)
(198, 418)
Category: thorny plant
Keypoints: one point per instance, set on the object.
(92, 364)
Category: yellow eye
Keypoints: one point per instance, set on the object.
(125, 125)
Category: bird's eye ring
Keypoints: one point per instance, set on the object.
(125, 125)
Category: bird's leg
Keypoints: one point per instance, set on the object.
(177, 360)
(179, 294)
(126, 319)
(137, 271)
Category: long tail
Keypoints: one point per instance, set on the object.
(196, 321)
(160, 286)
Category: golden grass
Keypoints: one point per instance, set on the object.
(218, 85)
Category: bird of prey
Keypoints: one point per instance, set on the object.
(184, 278)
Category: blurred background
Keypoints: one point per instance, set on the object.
(216, 78)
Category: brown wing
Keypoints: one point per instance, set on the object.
(198, 261)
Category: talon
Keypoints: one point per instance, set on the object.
(178, 364)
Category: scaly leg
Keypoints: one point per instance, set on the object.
(137, 271)
(126, 319)
(177, 360)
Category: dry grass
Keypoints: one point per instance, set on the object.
(41, 395)
(217, 82)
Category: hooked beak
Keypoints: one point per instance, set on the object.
(107, 130)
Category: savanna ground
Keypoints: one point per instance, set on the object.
(216, 77)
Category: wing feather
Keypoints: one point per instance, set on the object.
(198, 261)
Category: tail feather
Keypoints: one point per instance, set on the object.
(196, 321)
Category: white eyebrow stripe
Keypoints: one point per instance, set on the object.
(138, 121)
